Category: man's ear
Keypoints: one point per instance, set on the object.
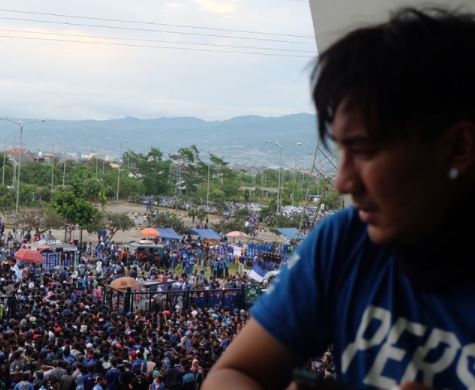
(461, 138)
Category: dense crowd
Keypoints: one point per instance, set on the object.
(62, 337)
(61, 334)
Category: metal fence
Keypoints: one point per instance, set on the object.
(133, 301)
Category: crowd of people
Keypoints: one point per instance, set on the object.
(62, 334)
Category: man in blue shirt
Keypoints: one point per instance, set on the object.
(390, 281)
(113, 376)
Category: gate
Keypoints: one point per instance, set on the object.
(133, 301)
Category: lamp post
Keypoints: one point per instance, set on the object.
(207, 189)
(118, 170)
(4, 160)
(209, 173)
(108, 139)
(64, 171)
(3, 167)
(97, 161)
(293, 181)
(20, 125)
(279, 180)
(52, 170)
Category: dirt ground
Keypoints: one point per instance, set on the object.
(134, 235)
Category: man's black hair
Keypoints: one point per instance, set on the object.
(414, 75)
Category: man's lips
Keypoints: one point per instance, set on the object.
(366, 212)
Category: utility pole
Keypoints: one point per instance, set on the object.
(207, 189)
(279, 182)
(20, 125)
(118, 171)
(97, 161)
(64, 171)
(3, 167)
(52, 170)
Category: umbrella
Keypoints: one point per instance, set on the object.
(236, 234)
(124, 282)
(29, 256)
(150, 232)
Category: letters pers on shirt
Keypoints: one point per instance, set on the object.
(343, 290)
(385, 339)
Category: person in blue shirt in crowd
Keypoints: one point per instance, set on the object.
(390, 281)
(113, 376)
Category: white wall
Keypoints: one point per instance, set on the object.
(333, 18)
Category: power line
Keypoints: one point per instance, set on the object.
(157, 41)
(151, 46)
(155, 23)
(152, 30)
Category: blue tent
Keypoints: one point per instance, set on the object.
(290, 233)
(168, 233)
(206, 234)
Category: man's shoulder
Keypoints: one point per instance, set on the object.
(335, 235)
(344, 220)
(343, 240)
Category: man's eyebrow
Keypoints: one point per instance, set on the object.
(353, 140)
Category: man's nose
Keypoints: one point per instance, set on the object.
(347, 180)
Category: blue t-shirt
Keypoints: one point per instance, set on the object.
(339, 288)
(113, 377)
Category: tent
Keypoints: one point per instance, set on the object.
(290, 233)
(55, 252)
(206, 234)
(51, 243)
(169, 234)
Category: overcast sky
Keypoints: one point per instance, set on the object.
(56, 65)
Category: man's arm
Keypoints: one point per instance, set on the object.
(254, 360)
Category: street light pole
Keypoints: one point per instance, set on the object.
(279, 180)
(277, 208)
(52, 170)
(104, 157)
(4, 160)
(21, 125)
(19, 169)
(97, 161)
(118, 171)
(207, 189)
(64, 170)
(3, 167)
(118, 184)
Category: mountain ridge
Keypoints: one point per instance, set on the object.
(240, 140)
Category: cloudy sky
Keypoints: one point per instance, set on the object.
(213, 59)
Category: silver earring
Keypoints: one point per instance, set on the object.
(453, 173)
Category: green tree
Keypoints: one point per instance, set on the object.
(7, 198)
(86, 185)
(7, 171)
(35, 173)
(39, 219)
(201, 214)
(75, 211)
(150, 169)
(114, 222)
(188, 169)
(192, 212)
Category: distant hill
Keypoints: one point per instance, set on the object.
(241, 140)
